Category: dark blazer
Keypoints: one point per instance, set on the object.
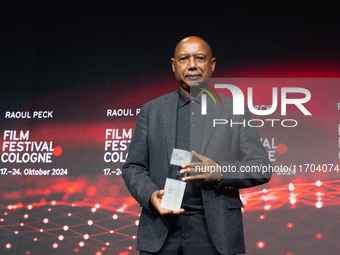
(148, 165)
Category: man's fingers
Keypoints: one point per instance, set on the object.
(186, 165)
(169, 212)
(198, 156)
(193, 178)
(164, 211)
(193, 164)
(179, 211)
(193, 169)
(160, 193)
(185, 171)
(156, 199)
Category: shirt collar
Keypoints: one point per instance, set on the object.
(182, 100)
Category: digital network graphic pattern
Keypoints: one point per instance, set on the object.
(297, 217)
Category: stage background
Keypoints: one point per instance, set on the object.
(64, 64)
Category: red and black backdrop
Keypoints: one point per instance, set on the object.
(74, 75)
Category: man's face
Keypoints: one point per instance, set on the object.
(192, 62)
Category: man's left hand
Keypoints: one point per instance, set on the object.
(205, 171)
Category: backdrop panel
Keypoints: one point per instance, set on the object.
(74, 77)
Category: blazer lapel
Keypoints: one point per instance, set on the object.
(213, 112)
(169, 120)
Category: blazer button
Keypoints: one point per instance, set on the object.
(231, 187)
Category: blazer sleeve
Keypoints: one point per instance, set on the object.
(135, 172)
(252, 162)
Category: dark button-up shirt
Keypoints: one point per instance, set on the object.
(190, 122)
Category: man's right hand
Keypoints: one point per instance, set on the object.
(156, 199)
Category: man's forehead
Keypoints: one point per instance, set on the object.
(192, 47)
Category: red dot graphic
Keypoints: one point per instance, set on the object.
(57, 151)
(260, 245)
(281, 148)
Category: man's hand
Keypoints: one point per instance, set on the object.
(205, 171)
(156, 199)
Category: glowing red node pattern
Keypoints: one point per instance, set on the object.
(318, 204)
(260, 245)
(318, 183)
(116, 229)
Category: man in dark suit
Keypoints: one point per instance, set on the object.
(210, 220)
